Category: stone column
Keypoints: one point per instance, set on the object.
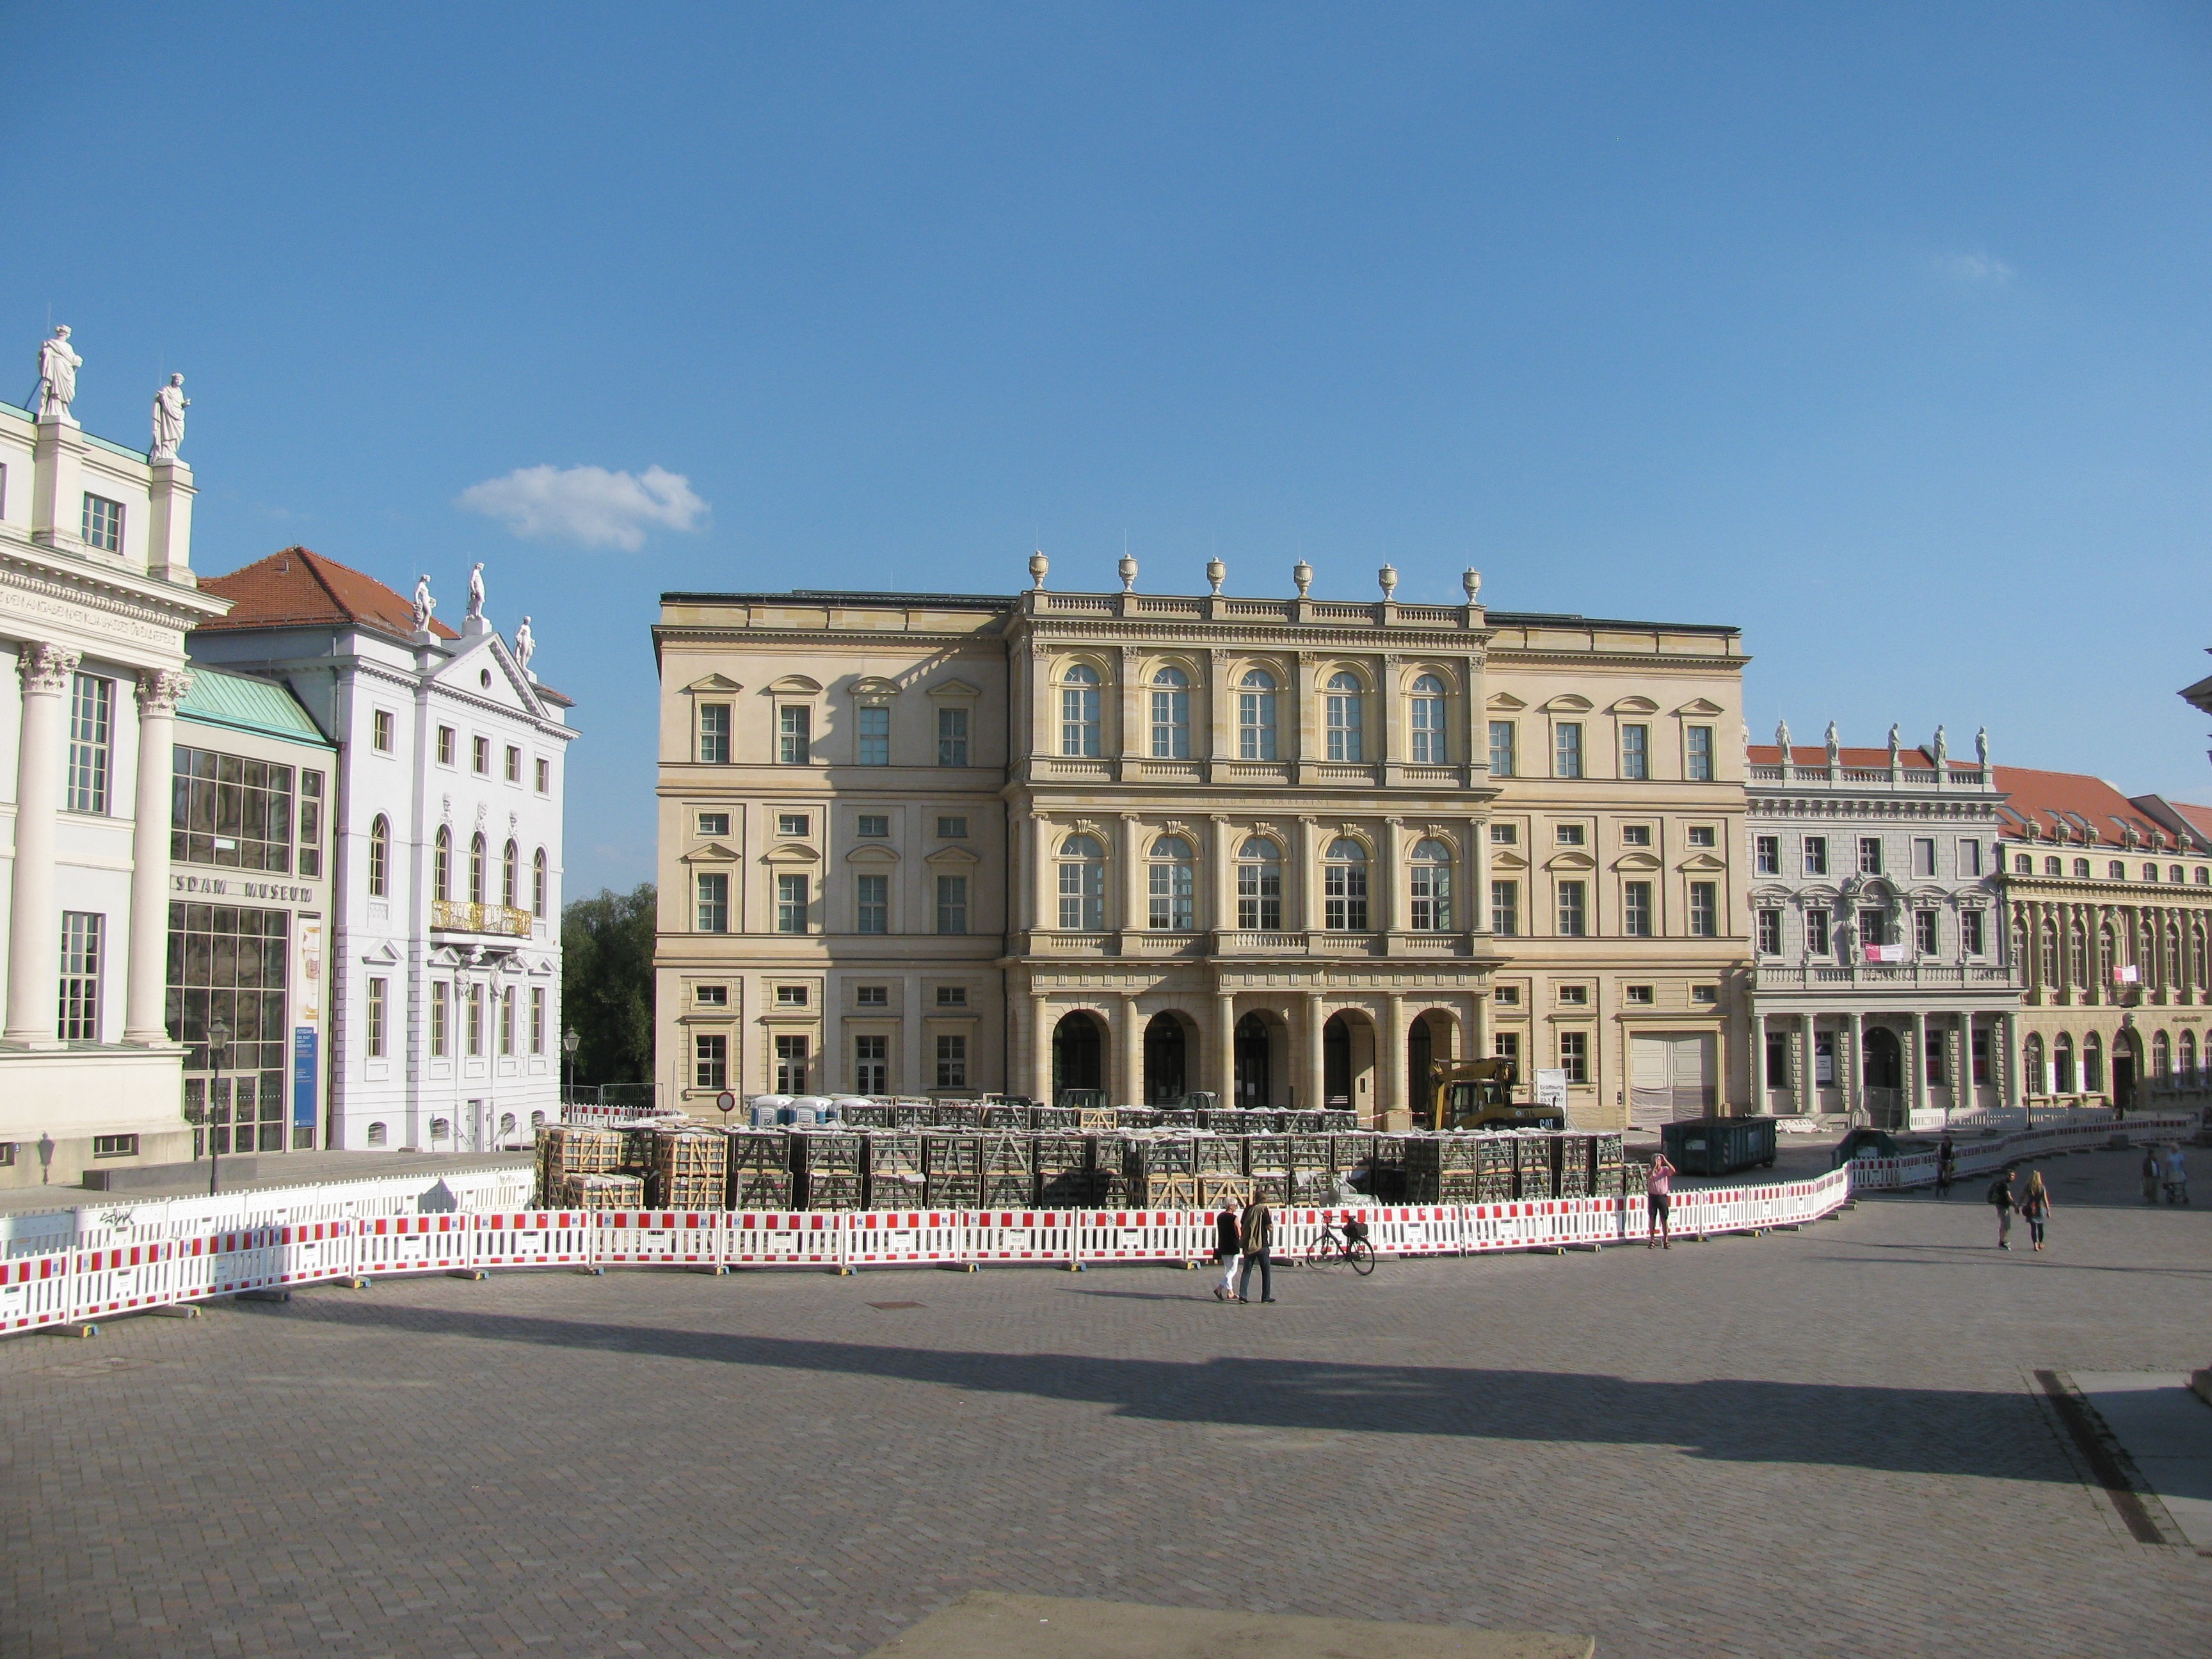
(1851, 1063)
(2007, 1060)
(1390, 1058)
(1918, 1094)
(1130, 1027)
(1308, 889)
(1217, 903)
(1808, 1087)
(1136, 734)
(1759, 1081)
(33, 922)
(145, 1019)
(1393, 909)
(1313, 1088)
(1478, 1030)
(1045, 911)
(1224, 1045)
(1040, 1049)
(916, 1072)
(1135, 914)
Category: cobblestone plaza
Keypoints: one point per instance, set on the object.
(1829, 1442)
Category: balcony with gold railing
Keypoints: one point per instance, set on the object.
(459, 916)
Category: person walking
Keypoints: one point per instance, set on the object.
(1227, 1243)
(1259, 1234)
(1658, 1199)
(1947, 1167)
(2035, 1207)
(1999, 1195)
(2150, 1175)
(2176, 1176)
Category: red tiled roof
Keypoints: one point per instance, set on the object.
(2198, 818)
(2060, 804)
(298, 587)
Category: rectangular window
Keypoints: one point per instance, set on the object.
(1567, 750)
(1778, 1060)
(1770, 933)
(1701, 753)
(1343, 897)
(1428, 885)
(1703, 834)
(2115, 871)
(1873, 927)
(1568, 835)
(103, 523)
(1341, 718)
(476, 1023)
(1636, 910)
(1924, 932)
(1923, 855)
(1970, 858)
(952, 736)
(953, 829)
(1639, 996)
(873, 915)
(1705, 996)
(710, 1060)
(711, 996)
(536, 1020)
(1171, 724)
(871, 826)
(952, 1062)
(1504, 835)
(514, 764)
(952, 904)
(1505, 909)
(380, 731)
(376, 994)
(480, 756)
(872, 1068)
(1506, 1045)
(1259, 895)
(227, 811)
(1766, 853)
(791, 1065)
(545, 777)
(1170, 891)
(1501, 748)
(506, 1000)
(311, 824)
(793, 996)
(440, 1043)
(1635, 751)
(871, 996)
(716, 733)
(1574, 1055)
(1574, 996)
(790, 904)
(81, 950)
(1980, 1043)
(714, 903)
(792, 823)
(1816, 855)
(1508, 996)
(713, 823)
(1079, 719)
(1636, 835)
(91, 732)
(953, 996)
(1430, 748)
(794, 736)
(444, 745)
(115, 1145)
(875, 735)
(1704, 909)
(1970, 933)
(1816, 932)
(1869, 855)
(1255, 724)
(1573, 921)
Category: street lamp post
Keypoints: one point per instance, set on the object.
(218, 1039)
(569, 1044)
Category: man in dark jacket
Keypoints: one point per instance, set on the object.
(1259, 1234)
(1228, 1240)
(1999, 1195)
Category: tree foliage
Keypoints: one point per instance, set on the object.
(606, 983)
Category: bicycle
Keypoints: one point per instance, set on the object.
(1349, 1248)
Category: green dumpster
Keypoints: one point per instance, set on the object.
(1718, 1146)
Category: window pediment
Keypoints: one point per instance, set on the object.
(1639, 861)
(1701, 707)
(712, 853)
(953, 689)
(1634, 705)
(1504, 861)
(1565, 861)
(1569, 702)
(385, 956)
(953, 858)
(792, 855)
(872, 853)
(1504, 702)
(714, 683)
(1701, 864)
(873, 685)
(796, 685)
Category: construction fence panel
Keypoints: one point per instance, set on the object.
(659, 1238)
(35, 1291)
(1032, 1235)
(783, 1238)
(534, 1238)
(415, 1243)
(1143, 1235)
(890, 1238)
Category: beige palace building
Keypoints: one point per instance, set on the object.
(1288, 850)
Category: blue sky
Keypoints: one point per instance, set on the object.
(1879, 332)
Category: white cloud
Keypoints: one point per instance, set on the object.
(1974, 270)
(588, 505)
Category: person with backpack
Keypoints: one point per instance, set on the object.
(1999, 1195)
(1947, 1167)
(1259, 1238)
(2035, 1207)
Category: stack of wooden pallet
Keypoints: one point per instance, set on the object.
(892, 1163)
(1605, 1157)
(1442, 1170)
(687, 1171)
(1535, 1174)
(868, 1115)
(1573, 1163)
(758, 1175)
(1004, 1177)
(563, 1151)
(825, 1169)
(1062, 1167)
(1160, 1169)
(600, 1192)
(951, 1170)
(1109, 1170)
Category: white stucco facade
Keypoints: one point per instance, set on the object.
(447, 996)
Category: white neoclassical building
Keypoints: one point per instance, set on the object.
(446, 848)
(96, 593)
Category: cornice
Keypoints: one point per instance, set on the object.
(34, 573)
(1505, 655)
(1262, 635)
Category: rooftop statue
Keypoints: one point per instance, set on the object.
(169, 406)
(424, 604)
(58, 366)
(476, 592)
(525, 644)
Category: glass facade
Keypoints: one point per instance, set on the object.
(230, 963)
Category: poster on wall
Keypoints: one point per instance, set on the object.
(304, 1047)
(310, 970)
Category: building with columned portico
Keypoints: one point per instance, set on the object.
(1284, 849)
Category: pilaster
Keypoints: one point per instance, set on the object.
(145, 1016)
(34, 921)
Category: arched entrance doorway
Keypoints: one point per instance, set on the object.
(1167, 1058)
(1255, 1044)
(2061, 1065)
(1883, 1059)
(1347, 1063)
(2127, 1066)
(1079, 1054)
(1428, 1040)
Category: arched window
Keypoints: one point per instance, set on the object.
(2196, 953)
(2173, 872)
(2081, 868)
(2106, 946)
(477, 868)
(2162, 1056)
(1343, 886)
(1259, 886)
(1255, 716)
(376, 1134)
(2062, 1063)
(2092, 1065)
(2150, 872)
(1078, 710)
(1344, 719)
(1170, 714)
(2188, 1056)
(1082, 885)
(2173, 975)
(2031, 1065)
(1173, 886)
(538, 885)
(2052, 866)
(1428, 883)
(441, 864)
(510, 874)
(380, 857)
(1427, 724)
(2079, 954)
(2050, 974)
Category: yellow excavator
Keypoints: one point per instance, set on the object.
(1478, 1094)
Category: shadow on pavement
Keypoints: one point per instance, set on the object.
(1918, 1430)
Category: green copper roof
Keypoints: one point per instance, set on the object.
(249, 705)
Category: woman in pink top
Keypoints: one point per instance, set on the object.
(1655, 1186)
